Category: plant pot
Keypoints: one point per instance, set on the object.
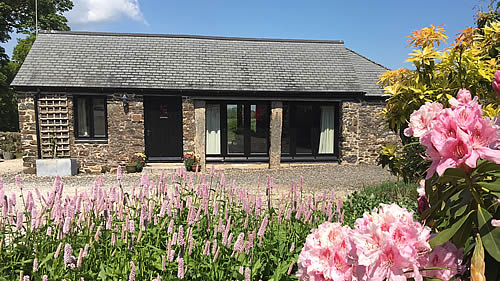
(56, 167)
(138, 169)
(196, 168)
(8, 155)
(189, 168)
(131, 169)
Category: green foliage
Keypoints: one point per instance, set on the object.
(18, 16)
(462, 205)
(403, 194)
(8, 103)
(405, 163)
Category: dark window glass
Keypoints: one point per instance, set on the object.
(235, 128)
(259, 128)
(285, 130)
(304, 125)
(90, 117)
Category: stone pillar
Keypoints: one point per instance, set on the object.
(275, 131)
(349, 146)
(27, 126)
(188, 124)
(199, 140)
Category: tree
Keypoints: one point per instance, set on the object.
(18, 16)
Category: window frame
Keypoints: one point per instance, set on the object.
(247, 155)
(90, 113)
(292, 154)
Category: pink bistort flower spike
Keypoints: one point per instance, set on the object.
(263, 226)
(131, 277)
(180, 269)
(247, 274)
(35, 265)
(45, 278)
(56, 254)
(68, 254)
(119, 173)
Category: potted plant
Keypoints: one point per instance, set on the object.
(7, 152)
(192, 161)
(136, 163)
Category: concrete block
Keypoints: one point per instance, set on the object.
(56, 167)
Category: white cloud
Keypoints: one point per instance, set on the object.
(93, 11)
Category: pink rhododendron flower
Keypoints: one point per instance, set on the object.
(386, 244)
(421, 120)
(495, 223)
(496, 82)
(456, 137)
(324, 256)
(445, 256)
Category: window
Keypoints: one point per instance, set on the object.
(309, 131)
(237, 130)
(90, 117)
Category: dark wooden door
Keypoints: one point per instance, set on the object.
(163, 128)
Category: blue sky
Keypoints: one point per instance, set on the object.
(375, 29)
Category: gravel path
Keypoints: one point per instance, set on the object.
(344, 179)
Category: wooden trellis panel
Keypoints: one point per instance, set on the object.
(54, 126)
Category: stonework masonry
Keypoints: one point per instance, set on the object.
(125, 137)
(188, 125)
(200, 133)
(363, 132)
(275, 134)
(27, 126)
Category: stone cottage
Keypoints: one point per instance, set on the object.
(100, 97)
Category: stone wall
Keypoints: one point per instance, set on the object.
(275, 134)
(373, 132)
(363, 132)
(200, 132)
(125, 137)
(349, 141)
(27, 127)
(188, 125)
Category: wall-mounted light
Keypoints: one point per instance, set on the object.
(125, 103)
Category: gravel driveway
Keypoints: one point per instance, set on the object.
(344, 179)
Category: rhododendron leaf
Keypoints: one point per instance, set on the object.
(445, 235)
(490, 234)
(463, 234)
(490, 186)
(452, 175)
(484, 166)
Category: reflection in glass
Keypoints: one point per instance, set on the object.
(235, 128)
(285, 130)
(99, 117)
(259, 128)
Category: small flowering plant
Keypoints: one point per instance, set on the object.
(459, 197)
(191, 160)
(138, 160)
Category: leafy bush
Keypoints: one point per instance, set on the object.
(370, 198)
(406, 163)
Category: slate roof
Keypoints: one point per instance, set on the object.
(146, 61)
(368, 73)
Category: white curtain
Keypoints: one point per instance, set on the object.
(213, 128)
(326, 136)
(83, 127)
